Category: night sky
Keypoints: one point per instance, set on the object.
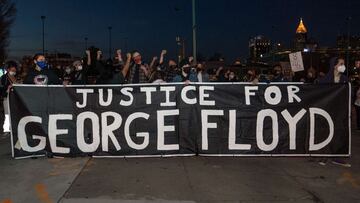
(224, 26)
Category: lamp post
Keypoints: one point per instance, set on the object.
(43, 33)
(180, 48)
(110, 28)
(194, 29)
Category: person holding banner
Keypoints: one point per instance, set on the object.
(41, 74)
(7, 81)
(336, 75)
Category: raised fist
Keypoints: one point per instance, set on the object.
(118, 52)
(163, 52)
(191, 58)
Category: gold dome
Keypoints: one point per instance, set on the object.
(301, 28)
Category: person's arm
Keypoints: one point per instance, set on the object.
(88, 57)
(162, 55)
(126, 67)
(145, 68)
(98, 55)
(153, 62)
(118, 54)
(218, 71)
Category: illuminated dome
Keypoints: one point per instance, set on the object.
(301, 28)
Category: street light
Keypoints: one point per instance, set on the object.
(109, 41)
(43, 34)
(194, 29)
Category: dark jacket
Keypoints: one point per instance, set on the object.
(5, 83)
(43, 77)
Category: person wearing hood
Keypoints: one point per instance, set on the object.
(41, 74)
(335, 75)
(336, 72)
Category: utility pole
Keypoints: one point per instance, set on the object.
(43, 34)
(109, 41)
(194, 29)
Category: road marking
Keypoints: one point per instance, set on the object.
(42, 193)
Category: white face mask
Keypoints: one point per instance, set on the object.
(341, 69)
(12, 73)
(79, 68)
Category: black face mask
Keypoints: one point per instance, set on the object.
(186, 70)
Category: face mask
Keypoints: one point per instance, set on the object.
(41, 64)
(79, 68)
(277, 73)
(68, 70)
(341, 69)
(172, 67)
(186, 70)
(12, 73)
(137, 60)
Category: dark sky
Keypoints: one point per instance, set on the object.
(224, 26)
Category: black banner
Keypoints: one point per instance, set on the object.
(212, 119)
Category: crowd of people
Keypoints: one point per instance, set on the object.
(130, 69)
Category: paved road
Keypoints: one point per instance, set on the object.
(191, 179)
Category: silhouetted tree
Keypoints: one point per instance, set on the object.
(7, 17)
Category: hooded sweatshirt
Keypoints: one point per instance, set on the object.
(329, 77)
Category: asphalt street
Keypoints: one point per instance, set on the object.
(185, 179)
